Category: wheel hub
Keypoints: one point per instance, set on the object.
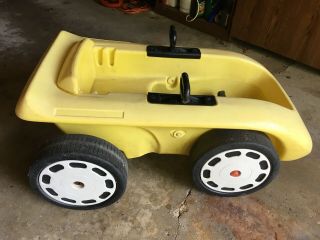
(77, 183)
(235, 170)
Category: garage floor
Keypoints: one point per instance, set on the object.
(160, 201)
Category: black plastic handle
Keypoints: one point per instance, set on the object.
(185, 88)
(172, 37)
(172, 51)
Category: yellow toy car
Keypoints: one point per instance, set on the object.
(119, 100)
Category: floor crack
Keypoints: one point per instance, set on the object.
(180, 211)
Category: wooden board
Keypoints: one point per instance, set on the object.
(288, 27)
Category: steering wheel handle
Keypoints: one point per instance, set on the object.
(172, 37)
(185, 88)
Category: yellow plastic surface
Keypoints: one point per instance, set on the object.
(99, 87)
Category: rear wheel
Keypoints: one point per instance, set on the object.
(233, 162)
(80, 172)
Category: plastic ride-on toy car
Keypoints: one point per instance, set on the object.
(119, 100)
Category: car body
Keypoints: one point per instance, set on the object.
(99, 88)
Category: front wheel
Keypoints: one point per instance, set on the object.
(233, 162)
(80, 172)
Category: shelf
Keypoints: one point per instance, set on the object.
(200, 23)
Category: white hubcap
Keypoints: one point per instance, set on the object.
(77, 183)
(235, 170)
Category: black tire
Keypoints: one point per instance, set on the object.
(87, 151)
(217, 142)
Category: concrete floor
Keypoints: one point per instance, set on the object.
(160, 201)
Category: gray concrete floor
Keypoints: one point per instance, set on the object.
(160, 201)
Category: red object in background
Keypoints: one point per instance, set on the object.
(129, 6)
(112, 4)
